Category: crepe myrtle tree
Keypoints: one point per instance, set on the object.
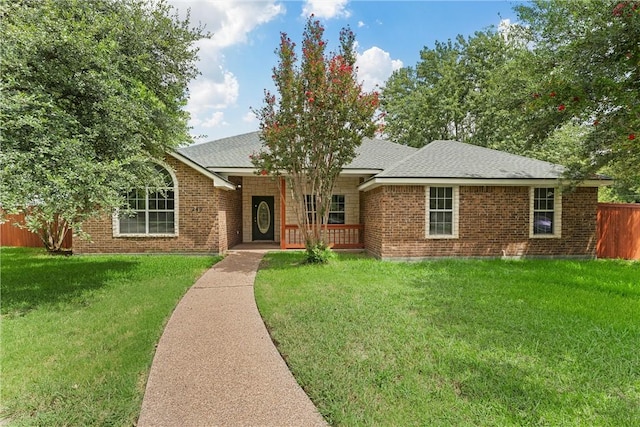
(92, 92)
(312, 129)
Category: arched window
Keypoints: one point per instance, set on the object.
(152, 210)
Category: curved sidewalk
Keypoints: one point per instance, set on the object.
(216, 365)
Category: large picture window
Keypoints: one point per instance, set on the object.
(336, 210)
(442, 212)
(545, 212)
(152, 211)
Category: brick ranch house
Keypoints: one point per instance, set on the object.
(394, 201)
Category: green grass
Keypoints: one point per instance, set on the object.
(79, 333)
(475, 342)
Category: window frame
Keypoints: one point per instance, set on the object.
(148, 192)
(455, 203)
(311, 208)
(557, 214)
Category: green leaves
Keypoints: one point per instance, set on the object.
(568, 74)
(456, 91)
(313, 129)
(590, 53)
(90, 91)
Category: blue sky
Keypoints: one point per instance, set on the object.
(236, 62)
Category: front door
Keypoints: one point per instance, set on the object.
(262, 214)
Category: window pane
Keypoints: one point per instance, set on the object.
(166, 176)
(337, 202)
(336, 218)
(136, 200)
(441, 223)
(441, 211)
(161, 222)
(133, 224)
(543, 210)
(154, 209)
(448, 192)
(543, 222)
(336, 211)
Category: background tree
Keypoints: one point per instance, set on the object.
(91, 91)
(313, 129)
(465, 90)
(561, 86)
(589, 77)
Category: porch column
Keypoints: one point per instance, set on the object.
(283, 212)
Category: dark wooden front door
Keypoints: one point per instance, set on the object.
(263, 217)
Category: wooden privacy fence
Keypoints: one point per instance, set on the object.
(618, 231)
(11, 235)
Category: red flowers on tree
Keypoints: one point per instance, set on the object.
(315, 126)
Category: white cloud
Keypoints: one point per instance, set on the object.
(250, 117)
(229, 21)
(216, 119)
(206, 93)
(326, 8)
(208, 96)
(375, 66)
(360, 24)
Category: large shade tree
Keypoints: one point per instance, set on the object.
(464, 90)
(312, 129)
(588, 54)
(91, 92)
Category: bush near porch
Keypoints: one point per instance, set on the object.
(455, 342)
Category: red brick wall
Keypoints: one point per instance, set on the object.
(230, 215)
(200, 206)
(493, 221)
(371, 206)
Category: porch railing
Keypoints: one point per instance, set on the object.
(342, 236)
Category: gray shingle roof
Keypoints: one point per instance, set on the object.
(379, 154)
(233, 152)
(452, 159)
(439, 159)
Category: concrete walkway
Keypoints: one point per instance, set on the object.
(216, 365)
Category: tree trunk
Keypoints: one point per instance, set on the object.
(53, 234)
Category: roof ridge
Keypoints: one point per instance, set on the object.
(404, 159)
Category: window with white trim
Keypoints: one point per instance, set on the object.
(152, 211)
(336, 210)
(545, 212)
(442, 212)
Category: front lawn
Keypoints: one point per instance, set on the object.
(475, 342)
(79, 333)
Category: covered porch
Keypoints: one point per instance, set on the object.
(267, 217)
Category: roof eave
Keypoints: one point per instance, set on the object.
(248, 171)
(218, 181)
(512, 182)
